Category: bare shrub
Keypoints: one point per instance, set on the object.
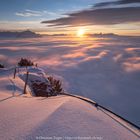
(56, 85)
(25, 62)
(44, 89)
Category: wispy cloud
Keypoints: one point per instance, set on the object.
(30, 13)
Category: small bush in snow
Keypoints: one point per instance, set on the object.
(45, 89)
(25, 62)
(40, 89)
(1, 66)
(56, 85)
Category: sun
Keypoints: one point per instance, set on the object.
(80, 32)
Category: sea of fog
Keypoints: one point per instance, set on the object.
(106, 70)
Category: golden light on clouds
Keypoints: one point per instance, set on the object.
(81, 32)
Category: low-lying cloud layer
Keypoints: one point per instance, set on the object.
(106, 70)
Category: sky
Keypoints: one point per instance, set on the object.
(67, 16)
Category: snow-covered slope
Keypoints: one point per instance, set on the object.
(61, 117)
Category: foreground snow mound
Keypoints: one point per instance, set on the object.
(28, 118)
(61, 116)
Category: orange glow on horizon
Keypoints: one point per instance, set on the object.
(81, 32)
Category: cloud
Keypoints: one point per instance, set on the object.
(3, 57)
(50, 13)
(30, 13)
(119, 2)
(106, 16)
(131, 67)
(27, 14)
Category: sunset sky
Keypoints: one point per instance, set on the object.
(68, 16)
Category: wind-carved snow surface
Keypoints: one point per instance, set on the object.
(106, 70)
(60, 117)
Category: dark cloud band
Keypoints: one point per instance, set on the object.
(119, 2)
(106, 16)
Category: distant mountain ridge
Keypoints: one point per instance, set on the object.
(22, 34)
(111, 35)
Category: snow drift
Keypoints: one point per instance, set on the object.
(60, 117)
